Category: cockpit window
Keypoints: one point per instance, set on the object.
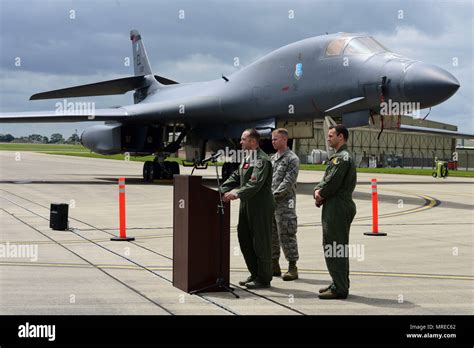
(363, 45)
(336, 46)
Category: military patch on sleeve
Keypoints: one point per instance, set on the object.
(259, 164)
(335, 160)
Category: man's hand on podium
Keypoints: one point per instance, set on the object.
(230, 196)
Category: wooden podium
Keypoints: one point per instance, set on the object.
(198, 237)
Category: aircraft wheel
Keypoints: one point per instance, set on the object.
(166, 173)
(173, 168)
(156, 171)
(147, 171)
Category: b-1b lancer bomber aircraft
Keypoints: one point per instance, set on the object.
(343, 75)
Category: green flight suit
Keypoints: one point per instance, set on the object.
(338, 211)
(257, 205)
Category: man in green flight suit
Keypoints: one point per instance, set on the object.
(334, 193)
(252, 184)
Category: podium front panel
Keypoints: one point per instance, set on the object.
(198, 236)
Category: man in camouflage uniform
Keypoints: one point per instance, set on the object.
(334, 193)
(285, 173)
(252, 184)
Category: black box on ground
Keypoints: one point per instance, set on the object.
(58, 216)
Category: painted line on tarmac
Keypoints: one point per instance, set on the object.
(430, 202)
(300, 270)
(400, 275)
(79, 241)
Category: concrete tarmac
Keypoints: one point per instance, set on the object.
(424, 265)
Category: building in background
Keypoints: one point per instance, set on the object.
(415, 144)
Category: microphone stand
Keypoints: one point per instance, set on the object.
(220, 281)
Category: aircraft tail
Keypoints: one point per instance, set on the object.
(141, 64)
(141, 67)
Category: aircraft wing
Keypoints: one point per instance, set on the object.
(415, 129)
(109, 114)
(203, 108)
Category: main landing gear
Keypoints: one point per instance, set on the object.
(159, 169)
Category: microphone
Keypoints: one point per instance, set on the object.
(212, 158)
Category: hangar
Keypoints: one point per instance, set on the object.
(415, 143)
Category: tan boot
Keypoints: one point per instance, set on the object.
(246, 281)
(276, 268)
(292, 273)
(257, 285)
(332, 295)
(325, 288)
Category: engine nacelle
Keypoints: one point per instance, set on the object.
(103, 138)
(114, 138)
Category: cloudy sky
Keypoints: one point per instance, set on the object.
(66, 43)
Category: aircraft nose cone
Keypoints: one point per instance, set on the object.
(428, 84)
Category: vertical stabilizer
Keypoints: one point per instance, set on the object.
(141, 65)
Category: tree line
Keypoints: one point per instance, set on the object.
(55, 138)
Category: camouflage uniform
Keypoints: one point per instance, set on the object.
(285, 173)
(338, 211)
(257, 207)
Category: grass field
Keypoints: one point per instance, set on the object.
(42, 147)
(73, 150)
(79, 150)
